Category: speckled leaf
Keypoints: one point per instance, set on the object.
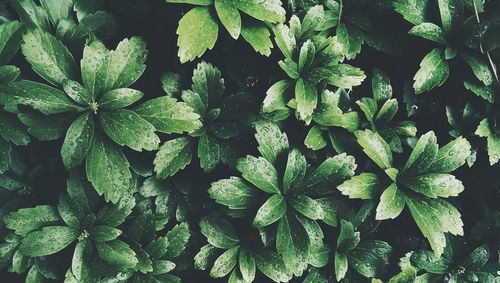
(429, 31)
(392, 202)
(82, 256)
(258, 36)
(11, 130)
(306, 96)
(45, 128)
(264, 10)
(119, 98)
(362, 186)
(78, 140)
(292, 242)
(259, 172)
(229, 16)
(178, 238)
(331, 172)
(173, 155)
(103, 233)
(414, 11)
(295, 170)
(375, 147)
(272, 141)
(10, 39)
(5, 155)
(451, 14)
(271, 211)
(233, 193)
(345, 76)
(433, 72)
(225, 263)
(47, 241)
(341, 265)
(306, 206)
(198, 31)
(219, 232)
(117, 253)
(479, 67)
(493, 141)
(422, 156)
(169, 116)
(272, 266)
(26, 220)
(247, 264)
(370, 258)
(108, 169)
(350, 38)
(381, 85)
(435, 185)
(93, 66)
(48, 57)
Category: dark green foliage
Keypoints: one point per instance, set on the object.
(310, 141)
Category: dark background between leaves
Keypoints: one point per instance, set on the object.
(245, 70)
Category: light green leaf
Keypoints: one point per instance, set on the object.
(292, 242)
(275, 102)
(381, 85)
(125, 64)
(82, 256)
(125, 127)
(47, 241)
(348, 238)
(198, 31)
(108, 169)
(272, 266)
(204, 256)
(285, 39)
(493, 140)
(119, 98)
(78, 140)
(429, 31)
(257, 34)
(345, 76)
(225, 263)
(331, 172)
(422, 156)
(117, 253)
(307, 98)
(219, 232)
(295, 170)
(451, 13)
(259, 172)
(435, 185)
(10, 40)
(341, 265)
(76, 91)
(387, 111)
(229, 16)
(314, 139)
(350, 38)
(370, 258)
(178, 238)
(433, 72)
(479, 67)
(435, 217)
(233, 193)
(271, 211)
(9, 73)
(414, 11)
(173, 155)
(247, 264)
(375, 147)
(93, 67)
(272, 142)
(103, 233)
(209, 85)
(48, 57)
(26, 220)
(392, 202)
(269, 11)
(363, 186)
(210, 151)
(306, 206)
(169, 116)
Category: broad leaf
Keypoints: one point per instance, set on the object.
(433, 72)
(272, 142)
(198, 31)
(219, 232)
(271, 211)
(259, 172)
(47, 241)
(392, 202)
(78, 140)
(173, 155)
(117, 253)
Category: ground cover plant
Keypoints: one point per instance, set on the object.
(308, 141)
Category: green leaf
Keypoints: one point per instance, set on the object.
(208, 84)
(247, 264)
(272, 142)
(11, 130)
(434, 217)
(285, 39)
(70, 211)
(381, 85)
(225, 263)
(233, 193)
(198, 31)
(451, 14)
(272, 266)
(169, 116)
(414, 11)
(125, 64)
(82, 256)
(26, 220)
(211, 152)
(48, 57)
(271, 11)
(306, 55)
(204, 256)
(428, 261)
(429, 31)
(433, 72)
(332, 171)
(108, 169)
(375, 147)
(194, 2)
(41, 97)
(485, 92)
(295, 170)
(10, 40)
(348, 239)
(477, 258)
(9, 73)
(479, 67)
(362, 186)
(5, 151)
(350, 38)
(306, 206)
(341, 265)
(271, 211)
(493, 140)
(173, 155)
(93, 67)
(117, 253)
(345, 76)
(370, 258)
(76, 91)
(219, 232)
(125, 127)
(422, 156)
(307, 98)
(47, 241)
(259, 172)
(57, 10)
(387, 111)
(178, 238)
(314, 139)
(103, 233)
(274, 103)
(257, 34)
(119, 98)
(229, 16)
(78, 140)
(292, 242)
(392, 202)
(435, 185)
(45, 128)
(332, 206)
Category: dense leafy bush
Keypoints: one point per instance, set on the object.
(305, 141)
